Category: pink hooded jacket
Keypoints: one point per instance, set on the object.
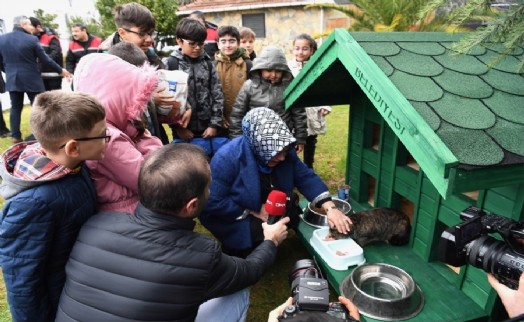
(124, 90)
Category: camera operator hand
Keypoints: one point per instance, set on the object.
(513, 300)
(276, 232)
(352, 309)
(273, 315)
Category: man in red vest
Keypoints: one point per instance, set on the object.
(51, 44)
(82, 44)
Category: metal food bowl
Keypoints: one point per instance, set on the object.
(383, 292)
(316, 217)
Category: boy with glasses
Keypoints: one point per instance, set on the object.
(232, 64)
(204, 90)
(135, 24)
(49, 195)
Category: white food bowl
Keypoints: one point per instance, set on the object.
(338, 254)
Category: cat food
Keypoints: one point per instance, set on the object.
(320, 210)
(335, 235)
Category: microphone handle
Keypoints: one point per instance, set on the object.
(273, 219)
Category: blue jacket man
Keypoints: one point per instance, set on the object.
(19, 51)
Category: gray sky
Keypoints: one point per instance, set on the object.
(13, 8)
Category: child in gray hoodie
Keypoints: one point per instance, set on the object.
(269, 78)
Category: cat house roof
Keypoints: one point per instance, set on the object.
(454, 113)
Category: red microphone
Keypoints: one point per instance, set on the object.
(275, 206)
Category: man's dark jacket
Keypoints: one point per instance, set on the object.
(51, 44)
(79, 49)
(150, 267)
(18, 59)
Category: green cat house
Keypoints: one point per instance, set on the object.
(431, 133)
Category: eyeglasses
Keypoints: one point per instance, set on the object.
(105, 137)
(193, 44)
(142, 34)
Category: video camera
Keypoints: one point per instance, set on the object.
(469, 242)
(310, 294)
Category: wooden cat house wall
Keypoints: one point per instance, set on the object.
(431, 132)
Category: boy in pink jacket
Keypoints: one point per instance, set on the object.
(124, 91)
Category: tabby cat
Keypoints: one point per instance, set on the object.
(378, 224)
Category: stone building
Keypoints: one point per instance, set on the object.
(275, 22)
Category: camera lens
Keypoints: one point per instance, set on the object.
(303, 268)
(497, 258)
(339, 311)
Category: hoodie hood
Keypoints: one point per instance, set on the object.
(24, 166)
(123, 89)
(271, 57)
(266, 133)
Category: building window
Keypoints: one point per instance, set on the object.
(257, 22)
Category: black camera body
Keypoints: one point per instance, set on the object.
(469, 242)
(310, 294)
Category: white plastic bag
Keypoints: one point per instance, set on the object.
(174, 81)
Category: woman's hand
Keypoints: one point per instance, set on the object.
(262, 215)
(336, 218)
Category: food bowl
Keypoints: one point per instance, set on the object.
(383, 292)
(338, 254)
(316, 217)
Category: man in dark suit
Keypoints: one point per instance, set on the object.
(19, 51)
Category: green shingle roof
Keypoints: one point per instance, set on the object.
(477, 111)
(452, 112)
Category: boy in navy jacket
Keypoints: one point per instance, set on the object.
(49, 196)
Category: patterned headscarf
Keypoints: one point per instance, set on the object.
(266, 133)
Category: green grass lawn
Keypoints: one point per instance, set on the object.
(273, 289)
